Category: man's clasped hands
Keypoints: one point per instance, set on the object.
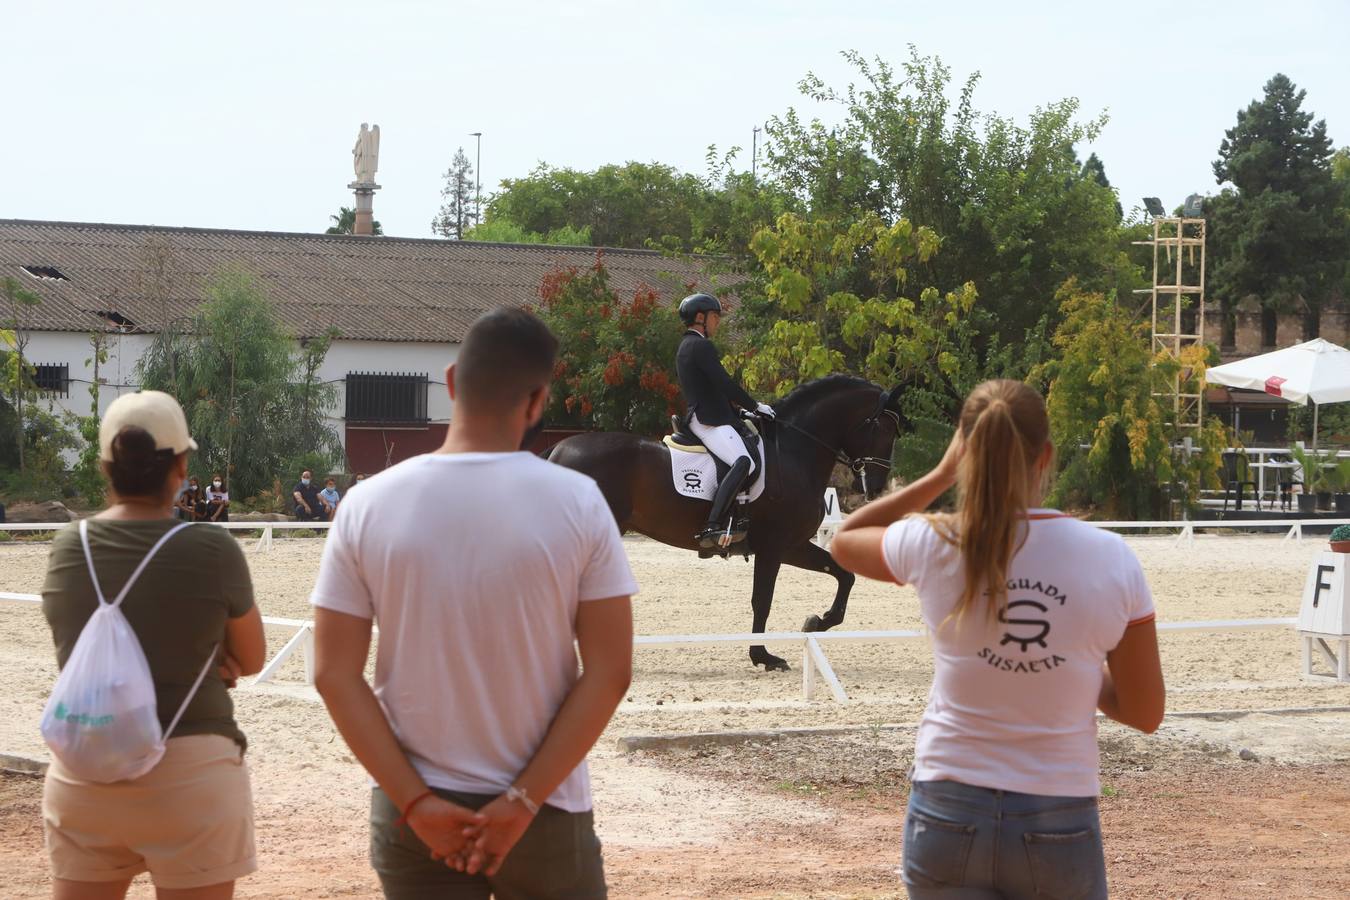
(468, 841)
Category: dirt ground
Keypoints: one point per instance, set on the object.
(813, 817)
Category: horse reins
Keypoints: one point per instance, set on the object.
(857, 465)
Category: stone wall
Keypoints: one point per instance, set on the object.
(1335, 327)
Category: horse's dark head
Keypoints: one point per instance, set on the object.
(871, 442)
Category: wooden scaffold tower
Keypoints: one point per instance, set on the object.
(1178, 315)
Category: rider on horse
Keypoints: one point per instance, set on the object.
(710, 393)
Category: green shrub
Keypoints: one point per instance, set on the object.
(1341, 533)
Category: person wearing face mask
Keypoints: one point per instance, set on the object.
(217, 501)
(189, 504)
(329, 497)
(308, 506)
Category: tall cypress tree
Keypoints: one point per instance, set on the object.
(1276, 233)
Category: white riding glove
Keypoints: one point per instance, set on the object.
(765, 410)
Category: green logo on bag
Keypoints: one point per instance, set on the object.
(63, 715)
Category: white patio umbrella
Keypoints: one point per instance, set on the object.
(1316, 371)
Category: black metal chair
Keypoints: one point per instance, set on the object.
(1236, 478)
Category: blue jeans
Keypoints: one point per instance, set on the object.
(973, 843)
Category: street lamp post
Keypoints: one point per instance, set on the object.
(478, 179)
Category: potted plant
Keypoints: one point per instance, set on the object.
(1340, 539)
(1340, 485)
(1313, 478)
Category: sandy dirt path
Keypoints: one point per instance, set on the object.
(687, 831)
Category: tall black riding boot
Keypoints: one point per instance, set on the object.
(716, 530)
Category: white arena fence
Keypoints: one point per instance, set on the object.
(1185, 528)
(815, 663)
(264, 542)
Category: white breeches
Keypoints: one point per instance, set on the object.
(722, 440)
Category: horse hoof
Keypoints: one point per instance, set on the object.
(813, 623)
(770, 662)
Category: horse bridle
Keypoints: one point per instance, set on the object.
(858, 464)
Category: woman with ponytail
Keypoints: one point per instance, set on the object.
(1037, 621)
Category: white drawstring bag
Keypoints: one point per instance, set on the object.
(102, 719)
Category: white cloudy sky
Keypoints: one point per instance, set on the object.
(243, 114)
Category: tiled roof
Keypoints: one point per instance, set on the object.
(369, 288)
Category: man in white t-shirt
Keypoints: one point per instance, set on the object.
(482, 565)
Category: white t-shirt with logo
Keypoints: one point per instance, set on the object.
(472, 566)
(1013, 703)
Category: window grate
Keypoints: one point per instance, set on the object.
(387, 398)
(52, 379)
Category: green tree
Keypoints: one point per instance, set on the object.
(458, 213)
(1018, 213)
(504, 231)
(1108, 395)
(87, 476)
(345, 222)
(837, 297)
(250, 404)
(616, 360)
(643, 205)
(1278, 230)
(18, 375)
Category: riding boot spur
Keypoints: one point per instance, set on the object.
(718, 532)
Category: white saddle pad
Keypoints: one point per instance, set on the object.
(695, 474)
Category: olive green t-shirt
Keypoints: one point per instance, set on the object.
(177, 608)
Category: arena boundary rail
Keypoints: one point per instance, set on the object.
(815, 662)
(1185, 528)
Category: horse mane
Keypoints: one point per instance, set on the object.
(808, 393)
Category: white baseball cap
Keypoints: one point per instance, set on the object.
(154, 411)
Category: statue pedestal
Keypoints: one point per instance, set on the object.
(1324, 616)
(365, 207)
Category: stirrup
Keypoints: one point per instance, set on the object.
(717, 536)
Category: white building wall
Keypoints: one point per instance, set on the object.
(390, 356)
(117, 375)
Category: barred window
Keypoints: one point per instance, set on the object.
(387, 398)
(52, 379)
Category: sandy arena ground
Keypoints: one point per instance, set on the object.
(818, 816)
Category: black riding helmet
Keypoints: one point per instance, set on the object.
(694, 304)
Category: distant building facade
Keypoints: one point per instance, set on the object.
(401, 307)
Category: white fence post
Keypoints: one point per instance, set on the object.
(813, 650)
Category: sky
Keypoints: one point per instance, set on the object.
(243, 114)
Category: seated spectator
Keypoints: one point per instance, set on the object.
(217, 501)
(329, 497)
(360, 477)
(308, 507)
(189, 820)
(189, 504)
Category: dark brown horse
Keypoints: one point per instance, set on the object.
(839, 419)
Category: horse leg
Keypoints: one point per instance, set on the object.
(814, 558)
(766, 574)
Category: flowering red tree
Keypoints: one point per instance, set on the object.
(616, 362)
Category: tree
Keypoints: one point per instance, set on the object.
(345, 222)
(643, 205)
(1277, 231)
(252, 401)
(836, 297)
(88, 473)
(1017, 213)
(616, 359)
(18, 376)
(504, 231)
(1106, 393)
(456, 215)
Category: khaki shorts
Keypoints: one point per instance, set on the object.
(188, 821)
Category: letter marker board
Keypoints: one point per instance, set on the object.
(1324, 616)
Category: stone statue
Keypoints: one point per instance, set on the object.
(366, 154)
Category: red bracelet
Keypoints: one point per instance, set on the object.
(407, 810)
